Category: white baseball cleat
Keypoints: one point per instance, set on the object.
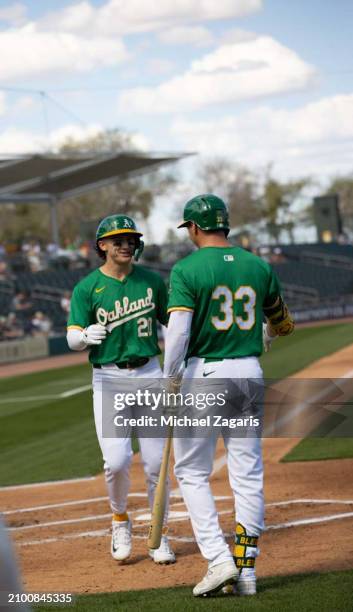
(164, 554)
(216, 578)
(121, 540)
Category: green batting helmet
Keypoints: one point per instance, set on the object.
(208, 212)
(119, 224)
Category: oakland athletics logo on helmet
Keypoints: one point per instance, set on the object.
(119, 224)
(116, 224)
(208, 212)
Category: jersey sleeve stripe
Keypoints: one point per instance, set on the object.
(75, 327)
(187, 309)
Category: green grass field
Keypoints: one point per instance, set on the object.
(293, 353)
(54, 431)
(55, 434)
(317, 449)
(330, 592)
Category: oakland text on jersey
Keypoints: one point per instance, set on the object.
(123, 310)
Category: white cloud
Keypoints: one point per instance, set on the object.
(73, 132)
(243, 70)
(315, 138)
(235, 35)
(83, 36)
(13, 14)
(2, 103)
(119, 16)
(15, 141)
(27, 52)
(158, 65)
(197, 36)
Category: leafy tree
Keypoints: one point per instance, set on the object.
(237, 185)
(251, 196)
(277, 199)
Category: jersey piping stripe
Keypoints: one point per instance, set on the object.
(173, 308)
(75, 327)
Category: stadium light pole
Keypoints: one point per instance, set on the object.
(54, 220)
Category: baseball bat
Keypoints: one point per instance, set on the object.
(159, 503)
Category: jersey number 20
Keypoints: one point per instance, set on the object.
(227, 316)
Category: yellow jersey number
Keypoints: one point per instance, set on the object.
(227, 317)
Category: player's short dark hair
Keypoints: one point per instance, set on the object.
(99, 252)
(225, 232)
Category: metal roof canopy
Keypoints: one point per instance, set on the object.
(49, 179)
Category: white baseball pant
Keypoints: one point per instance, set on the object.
(194, 462)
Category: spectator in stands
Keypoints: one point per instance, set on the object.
(4, 272)
(22, 302)
(84, 250)
(65, 302)
(2, 328)
(277, 256)
(51, 249)
(34, 256)
(12, 329)
(41, 324)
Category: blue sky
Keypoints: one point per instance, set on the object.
(258, 81)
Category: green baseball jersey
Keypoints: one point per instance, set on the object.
(226, 288)
(129, 309)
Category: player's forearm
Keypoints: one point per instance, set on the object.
(75, 339)
(176, 342)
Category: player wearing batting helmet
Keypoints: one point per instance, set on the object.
(114, 312)
(218, 296)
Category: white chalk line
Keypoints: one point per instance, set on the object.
(83, 519)
(33, 485)
(309, 501)
(52, 396)
(311, 521)
(76, 391)
(145, 517)
(106, 532)
(91, 500)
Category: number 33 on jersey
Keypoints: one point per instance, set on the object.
(230, 287)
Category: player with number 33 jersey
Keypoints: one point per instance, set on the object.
(219, 296)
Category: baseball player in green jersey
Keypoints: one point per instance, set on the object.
(218, 296)
(114, 312)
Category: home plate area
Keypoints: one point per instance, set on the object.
(62, 530)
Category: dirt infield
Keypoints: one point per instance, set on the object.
(40, 365)
(61, 530)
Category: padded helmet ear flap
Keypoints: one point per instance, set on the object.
(139, 249)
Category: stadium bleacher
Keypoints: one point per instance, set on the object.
(307, 281)
(325, 280)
